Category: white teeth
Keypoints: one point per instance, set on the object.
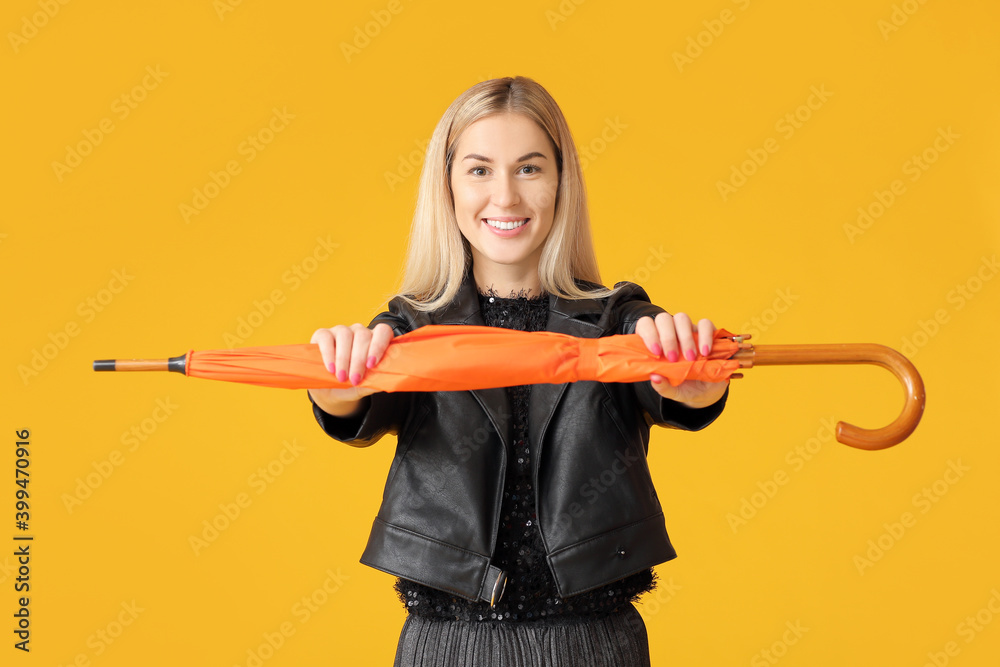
(505, 225)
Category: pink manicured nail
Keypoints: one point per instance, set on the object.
(656, 379)
(657, 350)
(705, 349)
(690, 355)
(331, 367)
(355, 378)
(342, 376)
(371, 361)
(672, 356)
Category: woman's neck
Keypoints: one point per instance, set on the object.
(503, 283)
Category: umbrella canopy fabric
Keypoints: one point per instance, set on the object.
(462, 357)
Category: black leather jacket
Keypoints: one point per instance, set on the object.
(598, 512)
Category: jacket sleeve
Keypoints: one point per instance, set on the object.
(381, 412)
(631, 303)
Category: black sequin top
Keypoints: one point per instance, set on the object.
(530, 594)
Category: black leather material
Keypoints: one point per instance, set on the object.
(598, 511)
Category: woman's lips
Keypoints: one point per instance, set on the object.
(506, 225)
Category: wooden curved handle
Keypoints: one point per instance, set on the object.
(852, 353)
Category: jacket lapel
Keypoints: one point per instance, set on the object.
(545, 398)
(464, 309)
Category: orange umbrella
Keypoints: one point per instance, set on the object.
(454, 358)
(461, 357)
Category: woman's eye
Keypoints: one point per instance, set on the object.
(526, 169)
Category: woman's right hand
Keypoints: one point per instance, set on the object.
(347, 353)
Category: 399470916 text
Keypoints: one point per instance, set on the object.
(22, 543)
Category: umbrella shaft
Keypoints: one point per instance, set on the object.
(175, 364)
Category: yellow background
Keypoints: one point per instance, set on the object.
(662, 133)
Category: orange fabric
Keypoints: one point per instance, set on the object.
(460, 357)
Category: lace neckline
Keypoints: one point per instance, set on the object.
(491, 295)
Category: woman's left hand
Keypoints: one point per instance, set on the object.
(673, 337)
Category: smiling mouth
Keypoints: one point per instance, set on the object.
(506, 224)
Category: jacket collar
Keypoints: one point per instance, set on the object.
(567, 316)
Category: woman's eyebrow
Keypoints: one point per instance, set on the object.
(527, 156)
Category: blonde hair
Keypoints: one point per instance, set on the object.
(438, 256)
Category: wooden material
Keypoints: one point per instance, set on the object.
(845, 353)
(137, 365)
(174, 364)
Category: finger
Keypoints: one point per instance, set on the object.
(706, 332)
(362, 337)
(646, 329)
(343, 341)
(665, 327)
(324, 339)
(382, 335)
(685, 335)
(662, 387)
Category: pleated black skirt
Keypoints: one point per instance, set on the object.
(619, 640)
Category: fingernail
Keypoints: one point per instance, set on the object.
(331, 367)
(689, 355)
(657, 350)
(341, 376)
(656, 379)
(371, 361)
(672, 356)
(705, 349)
(355, 378)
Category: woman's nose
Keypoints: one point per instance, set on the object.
(505, 194)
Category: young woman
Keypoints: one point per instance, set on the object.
(521, 523)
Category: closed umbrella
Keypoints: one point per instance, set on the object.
(459, 358)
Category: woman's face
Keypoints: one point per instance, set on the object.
(504, 179)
